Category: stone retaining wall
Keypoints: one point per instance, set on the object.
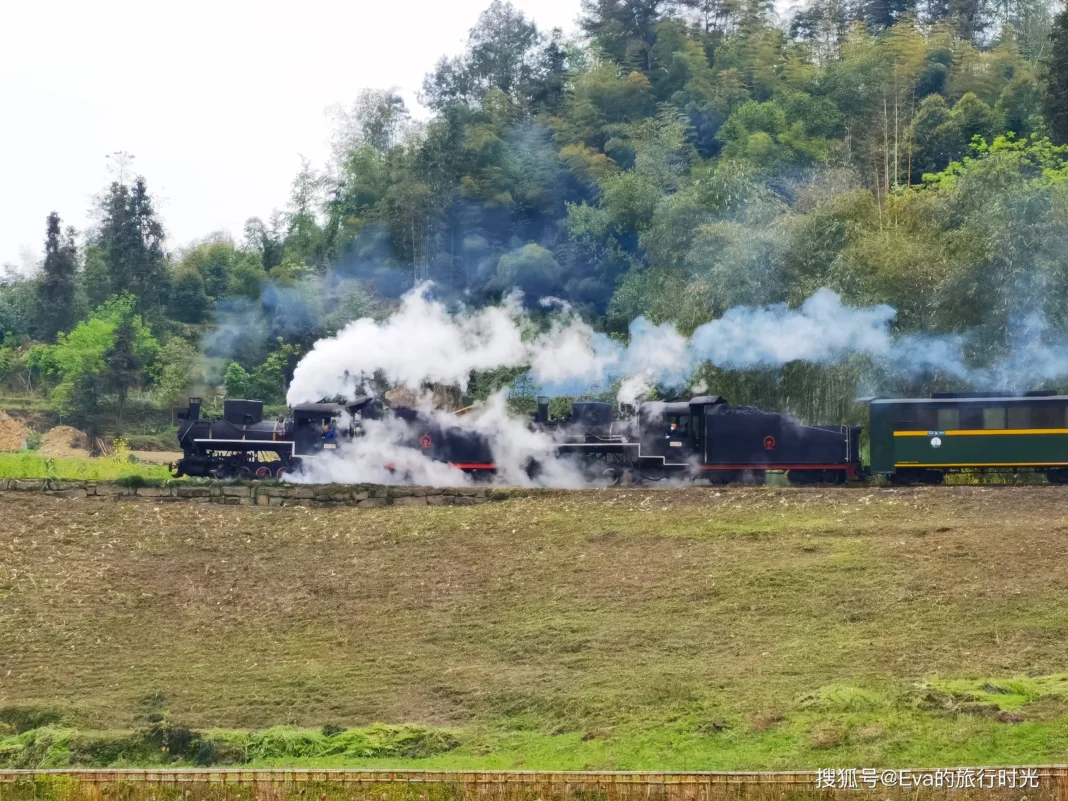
(362, 495)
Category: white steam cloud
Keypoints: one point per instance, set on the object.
(423, 343)
(382, 454)
(420, 343)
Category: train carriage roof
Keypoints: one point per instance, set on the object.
(956, 399)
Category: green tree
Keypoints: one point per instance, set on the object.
(123, 370)
(247, 277)
(266, 239)
(267, 382)
(237, 381)
(503, 54)
(304, 237)
(530, 268)
(188, 301)
(214, 260)
(1056, 97)
(625, 30)
(177, 361)
(18, 309)
(78, 365)
(55, 287)
(131, 238)
(95, 276)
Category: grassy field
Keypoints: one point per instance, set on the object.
(28, 464)
(661, 629)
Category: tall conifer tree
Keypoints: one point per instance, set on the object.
(55, 289)
(1057, 80)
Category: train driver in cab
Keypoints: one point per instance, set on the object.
(329, 431)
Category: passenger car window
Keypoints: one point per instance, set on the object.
(927, 420)
(905, 418)
(971, 417)
(1047, 416)
(916, 418)
(948, 419)
(993, 418)
(1019, 417)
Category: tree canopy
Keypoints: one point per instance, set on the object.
(683, 157)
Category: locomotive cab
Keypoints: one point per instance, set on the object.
(708, 437)
(667, 431)
(309, 422)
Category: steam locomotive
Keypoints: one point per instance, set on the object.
(704, 437)
(241, 444)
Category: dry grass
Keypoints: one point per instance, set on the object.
(740, 628)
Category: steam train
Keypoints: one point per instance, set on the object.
(912, 440)
(704, 437)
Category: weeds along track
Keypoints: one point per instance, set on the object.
(1034, 783)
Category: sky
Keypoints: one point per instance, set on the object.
(217, 101)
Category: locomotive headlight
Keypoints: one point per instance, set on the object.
(936, 442)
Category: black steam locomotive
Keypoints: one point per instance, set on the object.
(707, 438)
(704, 437)
(241, 444)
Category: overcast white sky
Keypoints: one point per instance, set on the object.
(216, 100)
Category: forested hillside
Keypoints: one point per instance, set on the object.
(679, 158)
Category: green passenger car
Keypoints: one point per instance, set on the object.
(919, 440)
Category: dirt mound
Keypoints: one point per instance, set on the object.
(64, 441)
(12, 433)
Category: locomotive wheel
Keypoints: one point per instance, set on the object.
(263, 472)
(244, 473)
(800, 478)
(834, 476)
(281, 471)
(610, 476)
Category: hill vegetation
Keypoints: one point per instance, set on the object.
(682, 157)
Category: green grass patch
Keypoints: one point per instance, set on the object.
(28, 464)
(1006, 694)
(163, 441)
(56, 746)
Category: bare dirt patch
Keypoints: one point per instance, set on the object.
(12, 433)
(64, 442)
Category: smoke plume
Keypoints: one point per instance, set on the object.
(423, 342)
